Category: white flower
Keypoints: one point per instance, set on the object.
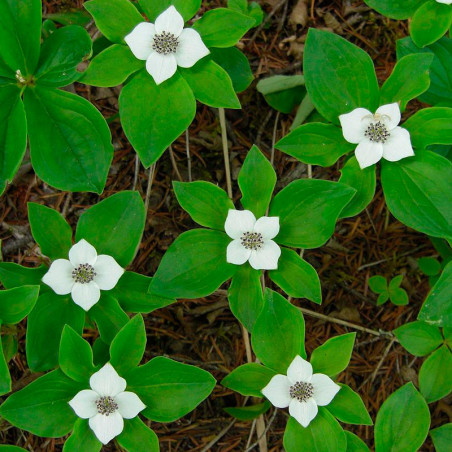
(377, 135)
(166, 45)
(252, 240)
(446, 2)
(106, 404)
(301, 391)
(84, 275)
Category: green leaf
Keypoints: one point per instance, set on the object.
(403, 421)
(127, 348)
(430, 22)
(283, 92)
(437, 307)
(114, 18)
(339, 75)
(435, 375)
(11, 449)
(82, 439)
(429, 266)
(279, 332)
(257, 180)
(297, 277)
(409, 79)
(14, 275)
(355, 444)
(249, 379)
(45, 325)
(5, 377)
(333, 356)
(138, 437)
(20, 34)
(146, 123)
(418, 192)
(442, 437)
(440, 85)
(430, 126)
(324, 434)
(184, 272)
(50, 230)
(245, 295)
(419, 338)
(395, 9)
(163, 379)
(61, 52)
(71, 17)
(399, 297)
(9, 345)
(382, 298)
(16, 304)
(222, 27)
(109, 317)
(308, 211)
(378, 284)
(70, 142)
(248, 413)
(75, 356)
(315, 143)
(114, 226)
(206, 203)
(211, 84)
(186, 8)
(236, 64)
(42, 407)
(132, 294)
(111, 67)
(364, 181)
(13, 133)
(348, 407)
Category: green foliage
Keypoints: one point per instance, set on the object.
(256, 191)
(187, 8)
(339, 75)
(396, 9)
(403, 421)
(161, 380)
(332, 357)
(323, 434)
(137, 437)
(206, 203)
(50, 230)
(355, 444)
(249, 379)
(391, 291)
(307, 220)
(442, 437)
(419, 338)
(82, 439)
(278, 334)
(250, 412)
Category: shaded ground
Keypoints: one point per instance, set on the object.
(204, 332)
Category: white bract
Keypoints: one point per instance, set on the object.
(301, 391)
(377, 135)
(106, 404)
(252, 240)
(84, 275)
(446, 2)
(166, 45)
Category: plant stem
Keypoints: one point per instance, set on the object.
(187, 148)
(224, 139)
(148, 190)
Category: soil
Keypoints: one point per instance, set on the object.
(204, 332)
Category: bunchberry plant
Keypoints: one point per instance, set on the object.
(307, 389)
(167, 65)
(87, 284)
(422, 339)
(15, 305)
(70, 142)
(251, 9)
(101, 401)
(391, 291)
(430, 19)
(342, 85)
(241, 243)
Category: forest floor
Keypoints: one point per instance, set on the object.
(204, 332)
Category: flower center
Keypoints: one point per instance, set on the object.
(377, 132)
(301, 391)
(106, 405)
(83, 274)
(252, 240)
(165, 43)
